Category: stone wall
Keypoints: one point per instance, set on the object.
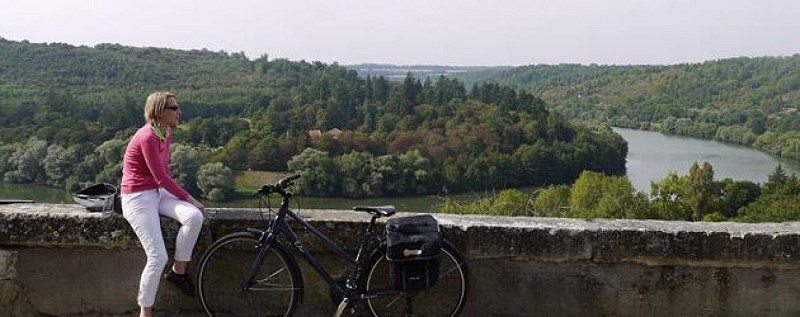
(59, 260)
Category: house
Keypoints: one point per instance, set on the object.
(316, 135)
(335, 132)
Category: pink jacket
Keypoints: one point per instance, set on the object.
(145, 164)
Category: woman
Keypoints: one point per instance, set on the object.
(148, 191)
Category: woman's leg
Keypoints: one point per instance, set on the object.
(191, 220)
(141, 211)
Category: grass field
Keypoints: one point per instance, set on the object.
(247, 182)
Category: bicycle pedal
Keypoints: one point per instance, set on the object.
(342, 306)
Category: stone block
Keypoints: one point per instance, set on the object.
(8, 265)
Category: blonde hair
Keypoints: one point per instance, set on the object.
(154, 106)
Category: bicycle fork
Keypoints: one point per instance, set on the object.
(250, 281)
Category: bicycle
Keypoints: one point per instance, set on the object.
(253, 273)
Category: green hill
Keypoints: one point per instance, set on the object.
(750, 101)
(66, 111)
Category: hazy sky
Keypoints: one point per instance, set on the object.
(442, 32)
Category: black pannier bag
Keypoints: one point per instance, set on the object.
(413, 248)
(99, 198)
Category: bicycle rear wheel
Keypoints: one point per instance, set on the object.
(226, 264)
(446, 298)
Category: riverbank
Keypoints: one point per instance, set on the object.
(651, 156)
(51, 195)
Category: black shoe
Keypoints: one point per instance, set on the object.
(183, 281)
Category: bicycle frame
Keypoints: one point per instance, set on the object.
(370, 281)
(280, 226)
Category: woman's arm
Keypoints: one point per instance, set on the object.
(152, 157)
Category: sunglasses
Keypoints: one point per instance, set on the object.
(172, 107)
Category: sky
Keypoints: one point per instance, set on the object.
(424, 32)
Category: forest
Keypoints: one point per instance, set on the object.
(751, 101)
(66, 113)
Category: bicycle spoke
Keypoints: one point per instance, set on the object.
(263, 281)
(396, 298)
(454, 270)
(272, 275)
(275, 288)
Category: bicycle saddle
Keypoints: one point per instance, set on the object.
(380, 211)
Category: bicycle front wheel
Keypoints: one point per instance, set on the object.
(446, 298)
(224, 267)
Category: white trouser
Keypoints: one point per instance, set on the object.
(142, 210)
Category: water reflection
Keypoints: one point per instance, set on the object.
(37, 193)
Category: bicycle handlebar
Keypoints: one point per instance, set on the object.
(288, 181)
(279, 187)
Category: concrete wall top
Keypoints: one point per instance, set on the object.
(648, 242)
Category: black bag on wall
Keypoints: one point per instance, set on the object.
(413, 248)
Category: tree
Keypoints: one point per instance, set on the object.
(215, 180)
(776, 181)
(405, 97)
(28, 160)
(736, 195)
(109, 155)
(368, 112)
(510, 202)
(416, 173)
(111, 151)
(701, 191)
(387, 172)
(595, 195)
(356, 170)
(277, 115)
(779, 200)
(85, 171)
(58, 164)
(552, 201)
(265, 155)
(688, 197)
(535, 163)
(111, 174)
(668, 198)
(318, 172)
(235, 152)
(6, 153)
(184, 165)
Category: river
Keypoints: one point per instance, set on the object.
(44, 194)
(651, 156)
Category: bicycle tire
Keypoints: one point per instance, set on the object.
(446, 298)
(224, 266)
